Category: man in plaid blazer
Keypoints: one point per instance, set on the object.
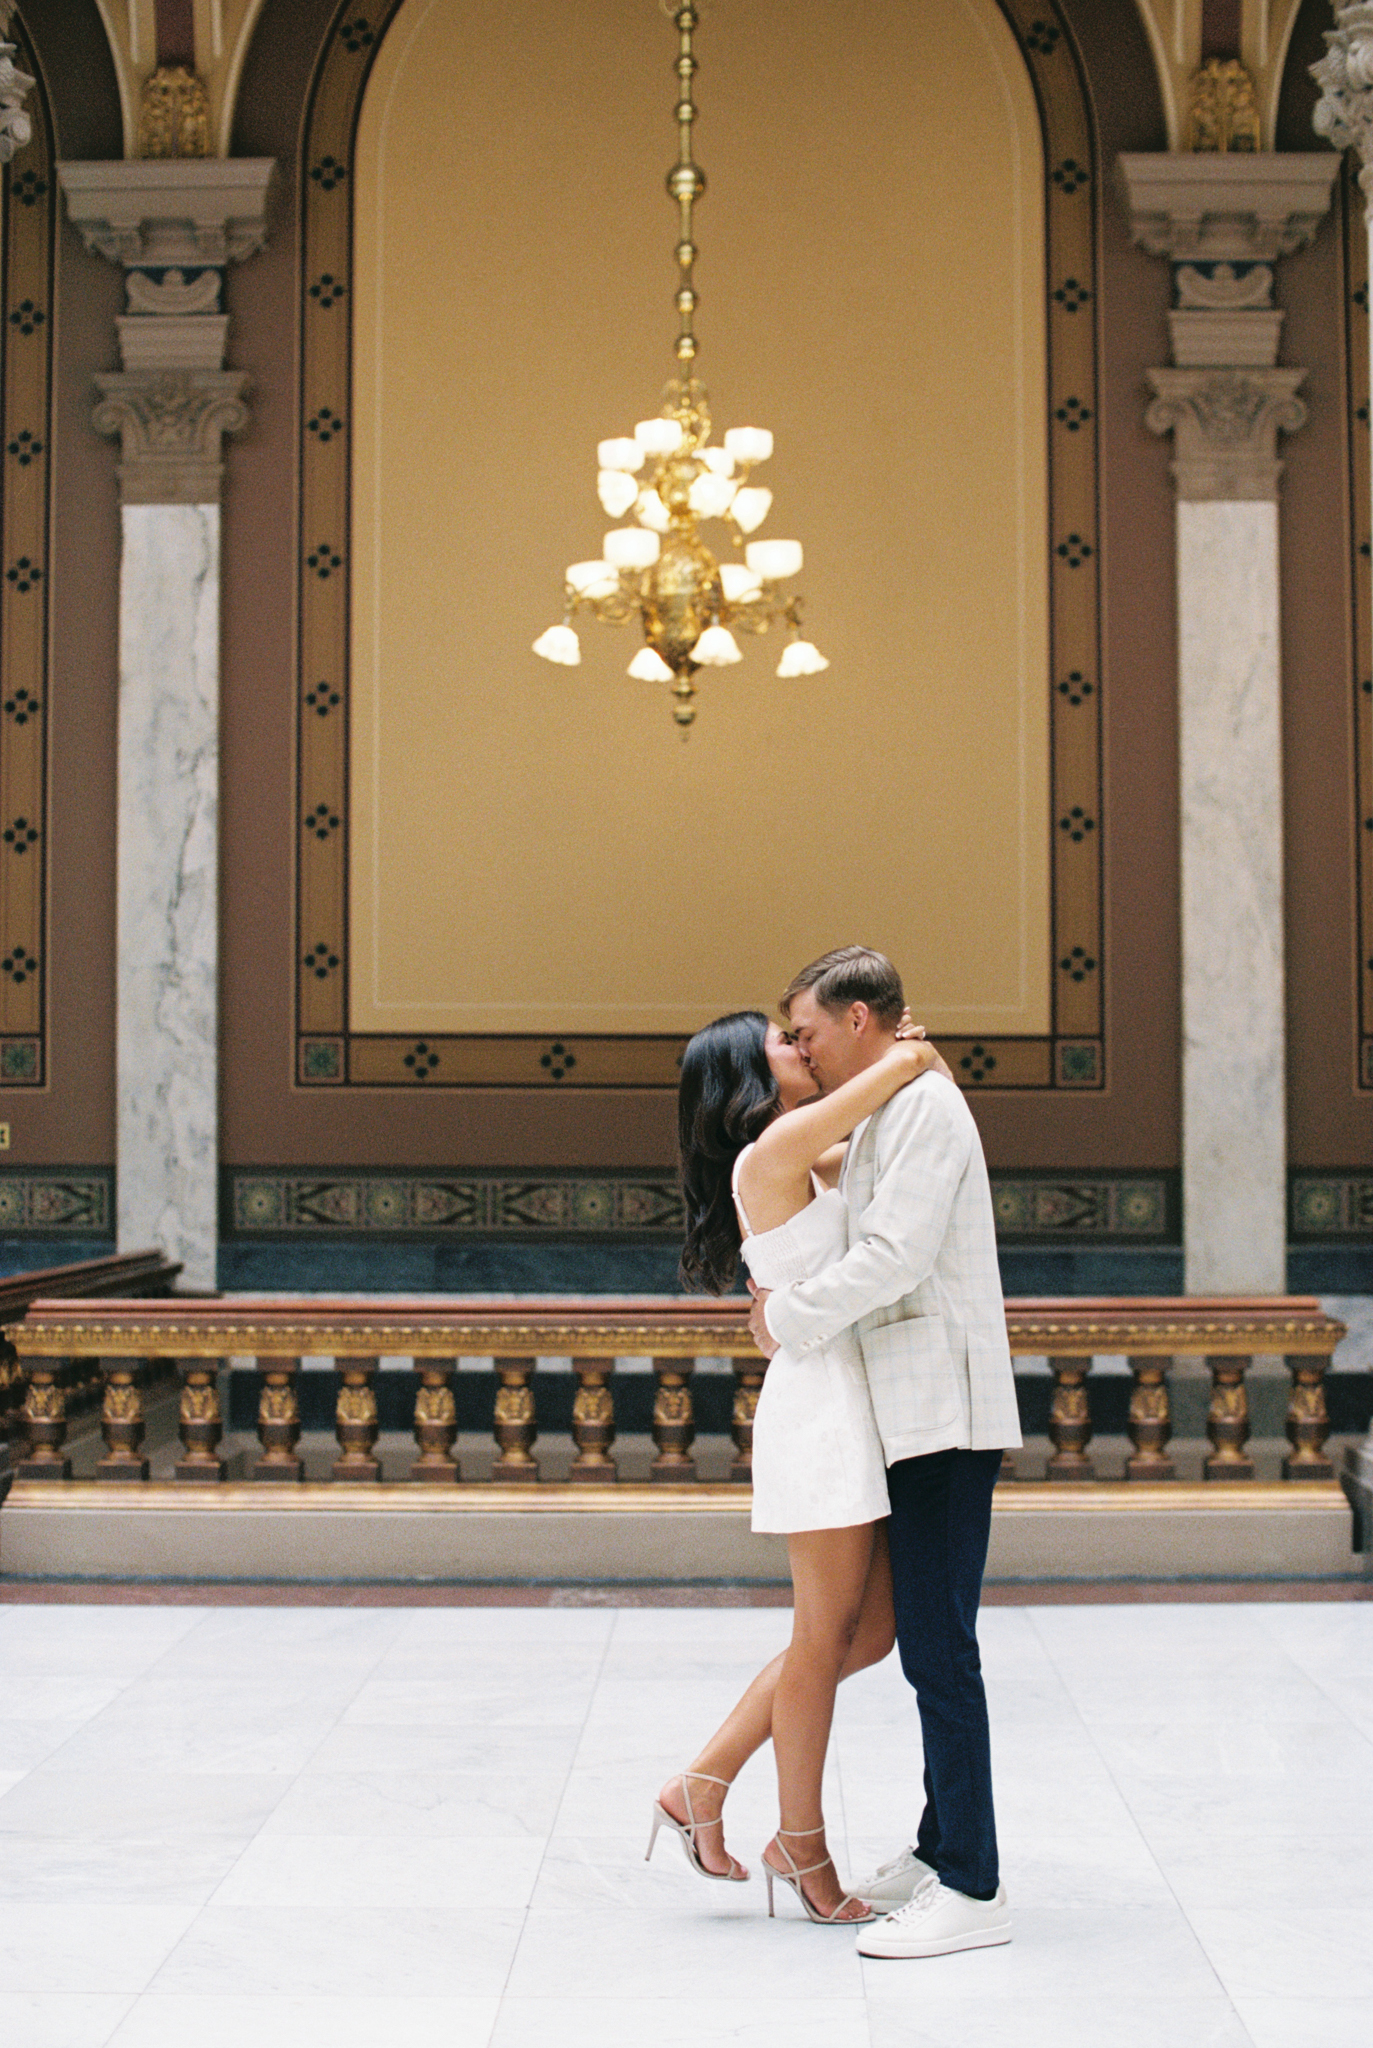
(921, 1287)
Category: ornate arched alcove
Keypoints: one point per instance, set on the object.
(900, 278)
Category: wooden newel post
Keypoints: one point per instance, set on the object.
(436, 1423)
(1151, 1421)
(1070, 1421)
(748, 1384)
(1227, 1420)
(516, 1425)
(355, 1420)
(674, 1422)
(199, 1422)
(1308, 1423)
(121, 1419)
(45, 1419)
(593, 1423)
(278, 1420)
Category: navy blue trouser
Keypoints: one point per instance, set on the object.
(941, 1513)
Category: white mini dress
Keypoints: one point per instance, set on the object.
(817, 1456)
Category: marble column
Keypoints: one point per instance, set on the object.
(1344, 116)
(173, 225)
(1222, 221)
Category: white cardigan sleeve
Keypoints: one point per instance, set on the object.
(923, 1141)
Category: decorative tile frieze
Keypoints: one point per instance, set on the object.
(1330, 1206)
(1029, 1208)
(328, 1055)
(72, 1202)
(1355, 248)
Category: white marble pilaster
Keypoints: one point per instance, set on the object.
(168, 853)
(1230, 745)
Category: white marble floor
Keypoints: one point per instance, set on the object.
(326, 1827)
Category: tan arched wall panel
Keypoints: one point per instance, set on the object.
(533, 850)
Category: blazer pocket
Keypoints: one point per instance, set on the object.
(911, 1375)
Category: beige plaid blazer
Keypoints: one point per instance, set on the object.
(919, 1284)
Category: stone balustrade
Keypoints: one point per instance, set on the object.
(121, 1345)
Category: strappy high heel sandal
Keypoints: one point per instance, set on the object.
(687, 1830)
(793, 1878)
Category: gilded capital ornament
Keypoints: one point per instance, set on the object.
(1225, 423)
(171, 425)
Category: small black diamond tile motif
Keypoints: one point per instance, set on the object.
(1070, 176)
(1078, 964)
(357, 35)
(21, 835)
(25, 448)
(558, 1061)
(18, 965)
(28, 188)
(1043, 37)
(320, 961)
(1077, 824)
(422, 1061)
(978, 1063)
(1073, 414)
(321, 821)
(324, 560)
(1070, 295)
(21, 707)
(325, 424)
(322, 700)
(1075, 687)
(24, 574)
(27, 317)
(1073, 550)
(1360, 297)
(327, 290)
(328, 173)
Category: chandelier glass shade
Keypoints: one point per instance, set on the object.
(670, 480)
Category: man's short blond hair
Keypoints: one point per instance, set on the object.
(850, 974)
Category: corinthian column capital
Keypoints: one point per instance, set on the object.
(1344, 112)
(1225, 424)
(171, 424)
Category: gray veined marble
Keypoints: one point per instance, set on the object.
(1234, 1084)
(168, 841)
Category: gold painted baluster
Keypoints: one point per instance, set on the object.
(1227, 1420)
(200, 1422)
(121, 1419)
(1308, 1422)
(355, 1420)
(593, 1423)
(748, 1384)
(45, 1419)
(674, 1421)
(436, 1423)
(1151, 1421)
(516, 1428)
(278, 1420)
(1070, 1421)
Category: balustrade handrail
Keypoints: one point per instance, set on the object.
(120, 1340)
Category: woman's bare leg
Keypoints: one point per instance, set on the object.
(749, 1724)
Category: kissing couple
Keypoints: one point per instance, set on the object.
(837, 1154)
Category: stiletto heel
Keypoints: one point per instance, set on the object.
(686, 1830)
(793, 1878)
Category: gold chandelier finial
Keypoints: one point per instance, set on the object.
(671, 477)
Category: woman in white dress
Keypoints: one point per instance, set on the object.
(761, 1152)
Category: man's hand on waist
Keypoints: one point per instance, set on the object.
(757, 1321)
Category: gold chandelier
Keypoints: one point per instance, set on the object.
(671, 478)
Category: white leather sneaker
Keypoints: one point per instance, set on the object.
(937, 1922)
(893, 1884)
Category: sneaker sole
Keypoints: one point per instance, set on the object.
(910, 1951)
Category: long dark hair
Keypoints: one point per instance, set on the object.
(727, 1097)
